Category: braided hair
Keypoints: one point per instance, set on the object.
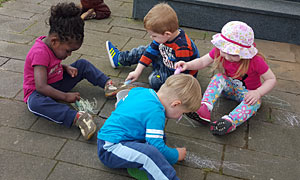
(65, 21)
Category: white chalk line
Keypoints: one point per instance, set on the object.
(203, 162)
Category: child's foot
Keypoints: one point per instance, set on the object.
(195, 116)
(222, 126)
(204, 112)
(113, 54)
(90, 14)
(85, 122)
(112, 88)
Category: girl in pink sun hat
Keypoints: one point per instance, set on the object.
(241, 68)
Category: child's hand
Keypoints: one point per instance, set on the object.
(72, 97)
(181, 153)
(181, 64)
(252, 97)
(72, 71)
(133, 76)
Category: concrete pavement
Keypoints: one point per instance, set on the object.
(267, 147)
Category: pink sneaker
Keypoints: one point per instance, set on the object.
(204, 112)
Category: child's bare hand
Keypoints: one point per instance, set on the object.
(72, 97)
(133, 76)
(252, 97)
(72, 71)
(181, 153)
(181, 64)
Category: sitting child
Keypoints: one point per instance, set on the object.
(241, 69)
(46, 80)
(170, 44)
(132, 137)
(94, 9)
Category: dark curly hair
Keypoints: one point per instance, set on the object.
(66, 22)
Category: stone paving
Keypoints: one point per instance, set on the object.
(267, 147)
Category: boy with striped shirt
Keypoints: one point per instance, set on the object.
(170, 44)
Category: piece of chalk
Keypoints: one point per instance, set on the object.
(127, 82)
(178, 70)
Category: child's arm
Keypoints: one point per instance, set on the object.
(195, 64)
(40, 79)
(134, 75)
(269, 82)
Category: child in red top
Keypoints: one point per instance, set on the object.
(46, 80)
(241, 67)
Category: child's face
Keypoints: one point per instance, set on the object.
(229, 57)
(160, 38)
(64, 49)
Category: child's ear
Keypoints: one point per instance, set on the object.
(168, 33)
(175, 103)
(54, 41)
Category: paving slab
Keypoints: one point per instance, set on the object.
(30, 142)
(3, 60)
(38, 28)
(248, 164)
(45, 126)
(15, 38)
(274, 139)
(126, 22)
(276, 50)
(84, 154)
(79, 172)
(213, 176)
(16, 166)
(184, 172)
(200, 154)
(103, 64)
(20, 117)
(282, 100)
(265, 147)
(11, 83)
(15, 25)
(26, 6)
(128, 32)
(117, 9)
(201, 132)
(12, 50)
(14, 65)
(287, 71)
(92, 26)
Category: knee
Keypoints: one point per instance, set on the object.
(155, 81)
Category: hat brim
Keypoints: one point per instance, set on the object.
(230, 48)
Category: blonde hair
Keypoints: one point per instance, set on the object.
(242, 70)
(185, 88)
(161, 18)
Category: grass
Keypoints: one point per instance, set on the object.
(2, 1)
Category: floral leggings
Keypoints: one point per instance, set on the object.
(232, 89)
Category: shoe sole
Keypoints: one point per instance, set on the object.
(199, 120)
(216, 130)
(205, 119)
(109, 55)
(91, 134)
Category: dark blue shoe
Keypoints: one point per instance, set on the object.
(113, 54)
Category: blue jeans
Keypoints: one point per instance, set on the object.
(160, 72)
(61, 113)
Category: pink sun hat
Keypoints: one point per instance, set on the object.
(236, 38)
